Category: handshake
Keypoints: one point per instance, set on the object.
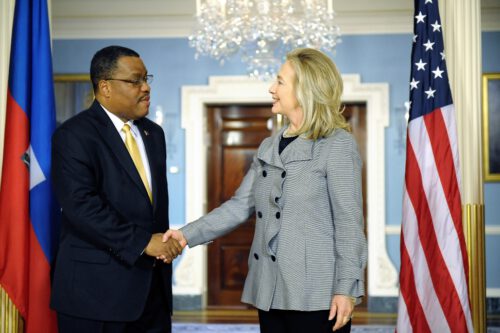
(166, 247)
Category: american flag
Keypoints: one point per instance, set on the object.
(434, 266)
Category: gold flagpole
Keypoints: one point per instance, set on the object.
(10, 320)
(474, 232)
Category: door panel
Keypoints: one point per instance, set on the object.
(235, 134)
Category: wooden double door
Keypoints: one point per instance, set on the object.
(235, 133)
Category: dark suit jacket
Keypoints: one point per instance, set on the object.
(107, 218)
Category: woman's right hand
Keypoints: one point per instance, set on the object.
(175, 234)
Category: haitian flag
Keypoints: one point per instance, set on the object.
(28, 210)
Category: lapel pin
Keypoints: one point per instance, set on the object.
(146, 133)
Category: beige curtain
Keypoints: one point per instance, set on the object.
(10, 321)
(461, 20)
(6, 16)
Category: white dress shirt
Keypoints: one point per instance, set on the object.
(138, 139)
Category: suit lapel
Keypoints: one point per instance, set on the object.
(112, 139)
(147, 137)
(270, 154)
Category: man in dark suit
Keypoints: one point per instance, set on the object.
(109, 172)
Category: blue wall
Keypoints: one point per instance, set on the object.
(491, 64)
(377, 58)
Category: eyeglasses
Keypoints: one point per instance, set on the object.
(138, 82)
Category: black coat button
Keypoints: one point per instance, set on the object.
(256, 256)
(264, 173)
(283, 174)
(273, 258)
(259, 214)
(276, 199)
(278, 215)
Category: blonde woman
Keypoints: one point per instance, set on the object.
(308, 256)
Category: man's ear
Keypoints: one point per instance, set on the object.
(104, 88)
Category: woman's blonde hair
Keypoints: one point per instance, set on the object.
(318, 88)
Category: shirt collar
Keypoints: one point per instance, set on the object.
(118, 123)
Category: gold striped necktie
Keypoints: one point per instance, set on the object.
(132, 148)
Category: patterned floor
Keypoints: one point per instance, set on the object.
(214, 328)
(248, 328)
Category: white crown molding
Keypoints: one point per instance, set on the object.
(182, 26)
(382, 276)
(122, 27)
(99, 19)
(370, 23)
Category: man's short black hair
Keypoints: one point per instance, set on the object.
(105, 61)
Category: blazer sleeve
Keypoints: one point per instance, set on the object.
(90, 216)
(227, 216)
(345, 191)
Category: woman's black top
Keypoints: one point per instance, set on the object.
(285, 142)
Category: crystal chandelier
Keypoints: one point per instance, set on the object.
(262, 31)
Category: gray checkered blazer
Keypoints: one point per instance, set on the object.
(309, 242)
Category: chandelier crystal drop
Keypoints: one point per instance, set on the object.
(262, 31)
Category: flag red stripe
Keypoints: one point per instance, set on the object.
(438, 135)
(440, 276)
(14, 207)
(39, 312)
(409, 292)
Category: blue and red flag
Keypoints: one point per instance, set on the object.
(28, 210)
(434, 265)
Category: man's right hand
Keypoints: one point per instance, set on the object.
(176, 236)
(167, 251)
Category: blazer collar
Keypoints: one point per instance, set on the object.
(300, 149)
(269, 152)
(112, 138)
